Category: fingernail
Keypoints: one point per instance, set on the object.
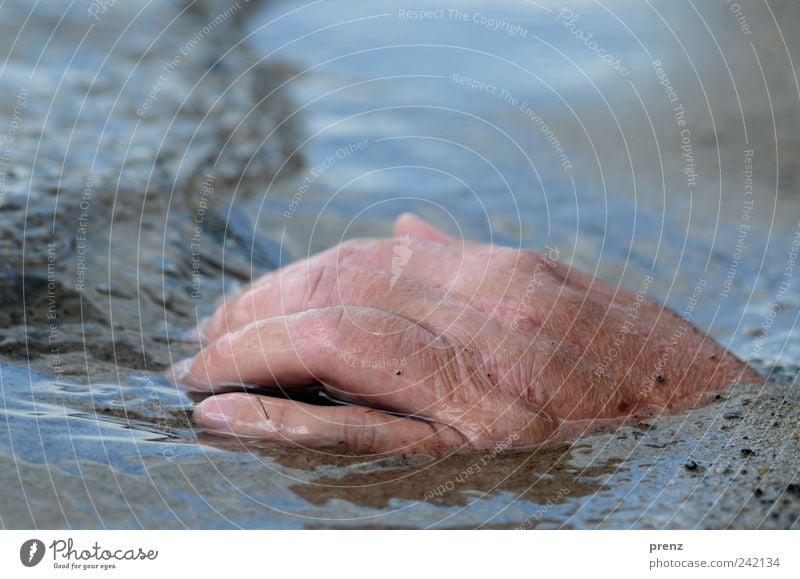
(178, 373)
(216, 413)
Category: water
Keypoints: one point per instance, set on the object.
(370, 113)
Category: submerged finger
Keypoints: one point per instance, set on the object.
(353, 428)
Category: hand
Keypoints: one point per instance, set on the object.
(485, 347)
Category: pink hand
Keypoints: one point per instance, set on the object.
(485, 346)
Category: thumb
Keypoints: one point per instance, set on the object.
(415, 227)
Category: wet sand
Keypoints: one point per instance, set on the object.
(732, 464)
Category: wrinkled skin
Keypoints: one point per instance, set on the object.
(487, 347)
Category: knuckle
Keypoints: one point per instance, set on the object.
(529, 260)
(217, 322)
(523, 261)
(219, 353)
(506, 256)
(279, 414)
(352, 249)
(364, 252)
(359, 434)
(320, 284)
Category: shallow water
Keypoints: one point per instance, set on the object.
(364, 119)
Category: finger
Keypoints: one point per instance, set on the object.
(422, 261)
(352, 428)
(417, 258)
(421, 279)
(394, 267)
(359, 354)
(327, 286)
(413, 226)
(407, 224)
